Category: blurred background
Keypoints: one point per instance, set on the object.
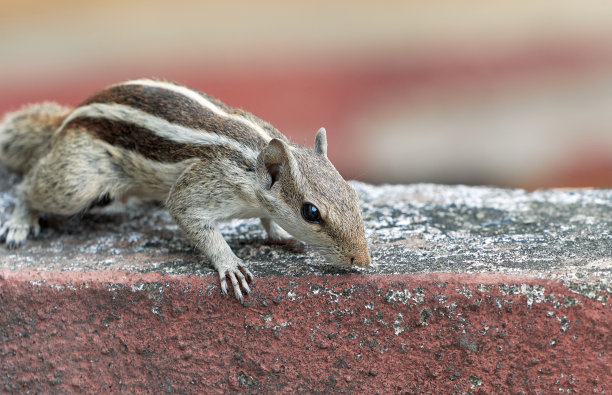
(511, 93)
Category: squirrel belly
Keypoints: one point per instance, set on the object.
(208, 162)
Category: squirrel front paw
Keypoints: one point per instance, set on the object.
(15, 233)
(238, 274)
(276, 234)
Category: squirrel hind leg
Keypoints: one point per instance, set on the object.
(24, 221)
(66, 181)
(71, 179)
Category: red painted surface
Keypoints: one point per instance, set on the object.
(117, 331)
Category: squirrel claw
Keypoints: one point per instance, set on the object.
(15, 235)
(239, 276)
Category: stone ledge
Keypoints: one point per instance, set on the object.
(473, 289)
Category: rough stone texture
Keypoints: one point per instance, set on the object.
(472, 290)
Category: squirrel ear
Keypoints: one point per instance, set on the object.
(274, 162)
(320, 146)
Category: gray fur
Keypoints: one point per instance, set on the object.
(26, 135)
(320, 146)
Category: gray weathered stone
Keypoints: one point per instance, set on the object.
(554, 234)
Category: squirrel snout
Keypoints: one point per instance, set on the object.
(361, 259)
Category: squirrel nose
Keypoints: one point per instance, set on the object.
(362, 259)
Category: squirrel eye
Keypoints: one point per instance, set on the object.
(311, 213)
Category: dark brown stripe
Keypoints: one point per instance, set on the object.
(181, 110)
(141, 140)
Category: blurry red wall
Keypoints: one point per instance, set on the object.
(512, 94)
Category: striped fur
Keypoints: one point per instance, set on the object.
(168, 122)
(227, 113)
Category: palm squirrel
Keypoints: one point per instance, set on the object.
(208, 161)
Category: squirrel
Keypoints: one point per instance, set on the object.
(208, 161)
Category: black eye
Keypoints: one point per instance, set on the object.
(310, 213)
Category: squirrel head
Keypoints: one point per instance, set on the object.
(306, 196)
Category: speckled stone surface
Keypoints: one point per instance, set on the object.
(472, 290)
(553, 234)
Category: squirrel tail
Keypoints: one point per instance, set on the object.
(27, 134)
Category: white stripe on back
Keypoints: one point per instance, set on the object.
(158, 126)
(203, 101)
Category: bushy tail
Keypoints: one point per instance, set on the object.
(27, 134)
